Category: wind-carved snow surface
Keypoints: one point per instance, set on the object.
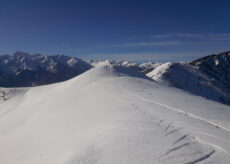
(112, 114)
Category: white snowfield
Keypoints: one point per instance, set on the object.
(111, 115)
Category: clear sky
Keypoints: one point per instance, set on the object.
(159, 30)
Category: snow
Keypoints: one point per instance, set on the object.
(23, 61)
(191, 79)
(158, 72)
(112, 114)
(5, 94)
(95, 63)
(23, 69)
(138, 66)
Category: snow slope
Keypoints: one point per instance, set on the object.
(191, 79)
(112, 114)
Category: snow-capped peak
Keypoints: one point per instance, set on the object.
(23, 69)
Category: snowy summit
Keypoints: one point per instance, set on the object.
(112, 114)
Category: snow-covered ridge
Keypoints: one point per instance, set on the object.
(112, 114)
(23, 69)
(189, 78)
(208, 77)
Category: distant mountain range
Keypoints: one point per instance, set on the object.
(208, 77)
(22, 69)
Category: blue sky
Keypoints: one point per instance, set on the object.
(159, 30)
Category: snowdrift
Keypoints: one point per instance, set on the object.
(111, 114)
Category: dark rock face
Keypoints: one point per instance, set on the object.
(22, 69)
(217, 67)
